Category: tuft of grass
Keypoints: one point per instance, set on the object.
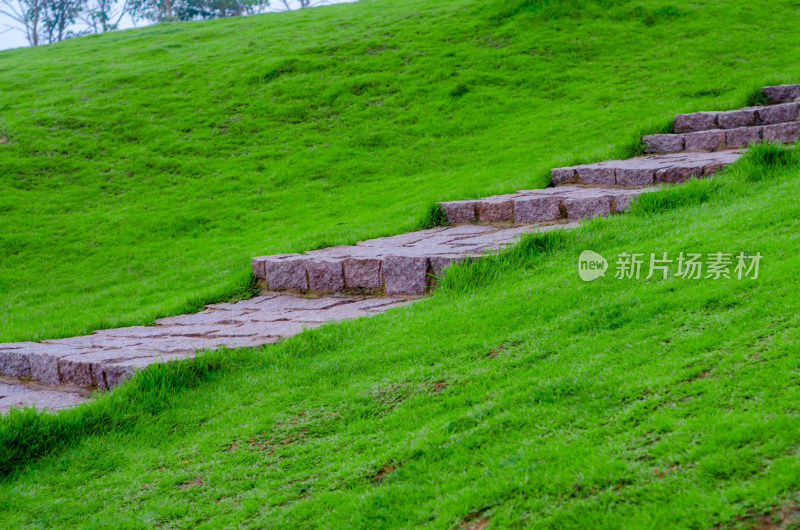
(27, 434)
(433, 216)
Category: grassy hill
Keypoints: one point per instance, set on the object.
(142, 169)
(518, 395)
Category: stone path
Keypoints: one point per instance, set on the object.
(306, 290)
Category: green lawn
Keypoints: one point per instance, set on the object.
(517, 393)
(142, 169)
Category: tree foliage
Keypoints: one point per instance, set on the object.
(49, 21)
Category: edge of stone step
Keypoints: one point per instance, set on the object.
(722, 139)
(365, 268)
(21, 393)
(542, 206)
(781, 93)
(645, 170)
(734, 119)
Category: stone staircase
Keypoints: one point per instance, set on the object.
(408, 264)
(372, 276)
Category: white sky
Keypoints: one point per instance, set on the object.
(14, 38)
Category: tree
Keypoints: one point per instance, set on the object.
(207, 9)
(57, 17)
(100, 16)
(26, 13)
(171, 10)
(301, 4)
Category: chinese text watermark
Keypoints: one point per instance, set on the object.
(660, 265)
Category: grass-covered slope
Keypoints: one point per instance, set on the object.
(517, 394)
(140, 170)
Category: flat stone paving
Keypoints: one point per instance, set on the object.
(105, 358)
(29, 393)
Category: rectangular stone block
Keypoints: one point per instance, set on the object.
(596, 174)
(258, 265)
(44, 368)
(663, 143)
(672, 175)
(561, 175)
(456, 212)
(110, 375)
(743, 136)
(286, 272)
(696, 121)
(362, 273)
(14, 363)
(325, 275)
(781, 93)
(496, 210)
(779, 113)
(75, 372)
(736, 118)
(705, 140)
(537, 209)
(635, 176)
(585, 207)
(782, 132)
(405, 274)
(623, 201)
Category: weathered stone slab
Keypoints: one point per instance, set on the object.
(696, 121)
(779, 113)
(14, 363)
(676, 174)
(325, 275)
(496, 209)
(405, 274)
(782, 132)
(736, 118)
(642, 174)
(743, 136)
(44, 368)
(663, 143)
(362, 273)
(286, 272)
(459, 211)
(40, 396)
(563, 175)
(705, 140)
(586, 207)
(599, 173)
(624, 198)
(781, 93)
(536, 209)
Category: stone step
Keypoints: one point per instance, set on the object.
(398, 265)
(645, 170)
(781, 93)
(537, 206)
(734, 119)
(18, 394)
(720, 139)
(106, 358)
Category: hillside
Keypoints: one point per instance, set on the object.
(142, 169)
(516, 394)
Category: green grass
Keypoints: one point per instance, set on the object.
(517, 392)
(143, 169)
